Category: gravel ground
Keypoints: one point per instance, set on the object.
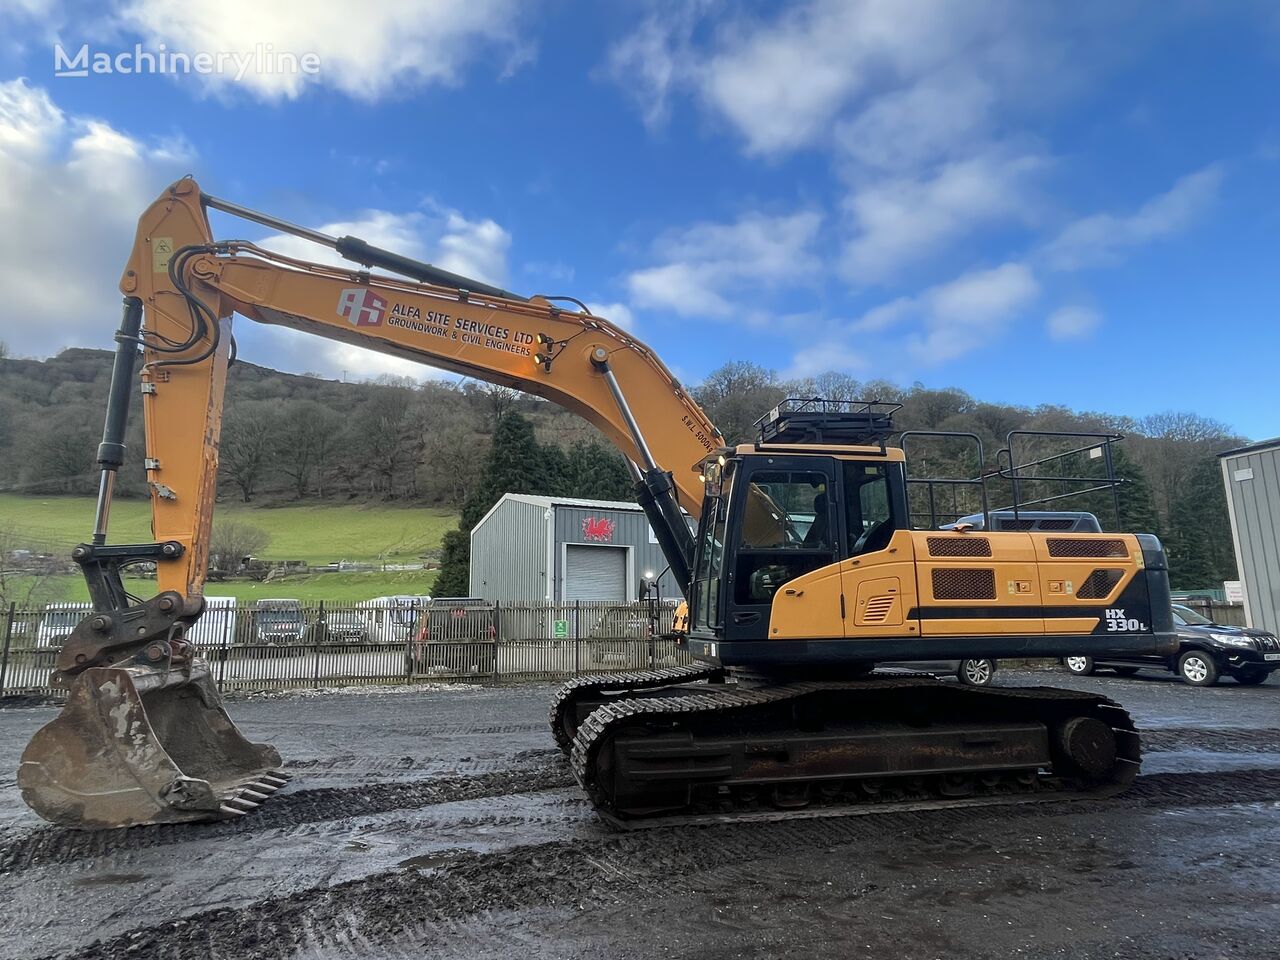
(442, 823)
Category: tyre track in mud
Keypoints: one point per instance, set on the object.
(349, 918)
(1212, 739)
(44, 846)
(529, 771)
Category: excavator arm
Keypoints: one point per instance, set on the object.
(581, 362)
(144, 738)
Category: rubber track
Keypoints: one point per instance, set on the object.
(631, 680)
(52, 845)
(598, 728)
(405, 907)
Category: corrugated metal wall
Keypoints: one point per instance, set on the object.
(631, 529)
(1252, 479)
(509, 554)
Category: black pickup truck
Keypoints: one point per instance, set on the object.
(1206, 651)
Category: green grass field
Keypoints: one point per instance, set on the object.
(316, 533)
(329, 587)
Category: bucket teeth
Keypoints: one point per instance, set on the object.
(231, 811)
(246, 793)
(262, 786)
(240, 803)
(280, 779)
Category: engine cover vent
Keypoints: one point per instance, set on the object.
(878, 609)
(959, 547)
(1080, 548)
(1099, 584)
(961, 583)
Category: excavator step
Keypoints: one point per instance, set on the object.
(735, 751)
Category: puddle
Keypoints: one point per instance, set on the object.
(110, 879)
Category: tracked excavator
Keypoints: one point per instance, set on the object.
(809, 564)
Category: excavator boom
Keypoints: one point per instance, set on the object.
(178, 756)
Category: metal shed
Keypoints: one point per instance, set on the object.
(1252, 478)
(558, 549)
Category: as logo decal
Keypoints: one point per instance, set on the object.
(361, 306)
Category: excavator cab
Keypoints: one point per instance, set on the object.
(819, 552)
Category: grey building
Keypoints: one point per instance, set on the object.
(1252, 478)
(557, 549)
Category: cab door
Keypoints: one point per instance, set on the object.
(877, 571)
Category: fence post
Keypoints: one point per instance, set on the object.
(4, 659)
(319, 635)
(223, 650)
(577, 638)
(497, 636)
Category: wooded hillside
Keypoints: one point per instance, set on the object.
(292, 437)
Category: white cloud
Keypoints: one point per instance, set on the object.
(651, 62)
(939, 324)
(970, 311)
(1103, 238)
(900, 220)
(371, 51)
(73, 190)
(445, 238)
(833, 353)
(707, 264)
(1072, 323)
(619, 314)
(912, 99)
(783, 83)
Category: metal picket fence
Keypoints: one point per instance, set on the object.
(268, 645)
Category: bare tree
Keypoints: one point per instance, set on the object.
(305, 434)
(500, 401)
(247, 445)
(233, 540)
(27, 579)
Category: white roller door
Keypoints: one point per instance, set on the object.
(595, 573)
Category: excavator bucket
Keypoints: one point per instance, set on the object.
(137, 745)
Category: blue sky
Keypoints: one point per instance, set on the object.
(1072, 204)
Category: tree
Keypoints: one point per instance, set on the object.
(454, 579)
(385, 434)
(599, 473)
(737, 394)
(304, 433)
(59, 452)
(233, 540)
(247, 445)
(516, 463)
(1201, 553)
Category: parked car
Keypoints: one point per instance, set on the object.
(974, 673)
(455, 635)
(345, 626)
(278, 622)
(1206, 651)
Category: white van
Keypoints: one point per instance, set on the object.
(216, 627)
(57, 620)
(393, 619)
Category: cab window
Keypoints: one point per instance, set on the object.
(786, 529)
(868, 508)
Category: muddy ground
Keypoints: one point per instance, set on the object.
(444, 824)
